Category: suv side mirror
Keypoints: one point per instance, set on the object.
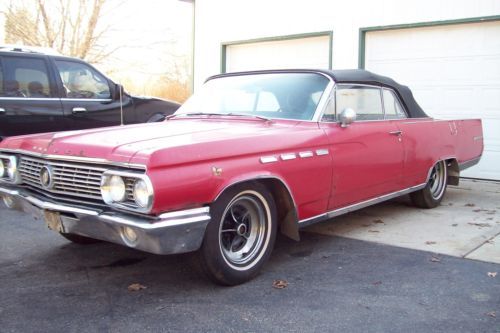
(117, 91)
(347, 117)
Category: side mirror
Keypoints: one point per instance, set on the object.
(347, 117)
(117, 91)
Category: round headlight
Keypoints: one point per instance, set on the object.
(142, 193)
(117, 188)
(12, 168)
(2, 169)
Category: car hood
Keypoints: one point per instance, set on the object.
(171, 142)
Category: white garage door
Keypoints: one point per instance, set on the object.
(453, 71)
(307, 52)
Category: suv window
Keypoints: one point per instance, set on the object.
(25, 77)
(82, 81)
(366, 101)
(393, 109)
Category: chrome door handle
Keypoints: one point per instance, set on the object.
(396, 132)
(79, 110)
(2, 110)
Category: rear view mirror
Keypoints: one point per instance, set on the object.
(347, 117)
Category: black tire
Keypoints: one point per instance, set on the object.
(240, 237)
(432, 194)
(77, 239)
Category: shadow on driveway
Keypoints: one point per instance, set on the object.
(334, 284)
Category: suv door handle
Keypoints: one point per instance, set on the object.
(79, 110)
(2, 110)
(396, 132)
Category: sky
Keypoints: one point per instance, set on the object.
(152, 38)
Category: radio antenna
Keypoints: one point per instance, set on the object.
(120, 87)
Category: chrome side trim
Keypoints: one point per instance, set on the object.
(288, 156)
(467, 164)
(29, 99)
(56, 99)
(268, 159)
(321, 152)
(86, 99)
(306, 154)
(360, 205)
(74, 159)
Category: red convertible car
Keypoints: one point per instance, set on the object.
(249, 154)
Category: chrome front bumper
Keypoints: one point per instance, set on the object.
(168, 233)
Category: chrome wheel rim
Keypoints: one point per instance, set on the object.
(243, 229)
(437, 181)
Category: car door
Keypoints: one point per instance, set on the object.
(367, 155)
(28, 96)
(87, 97)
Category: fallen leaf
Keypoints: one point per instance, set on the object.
(376, 283)
(136, 287)
(454, 224)
(435, 259)
(280, 284)
(325, 256)
(492, 274)
(373, 231)
(378, 221)
(480, 225)
(470, 205)
(492, 314)
(366, 225)
(430, 242)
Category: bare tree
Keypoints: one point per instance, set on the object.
(71, 27)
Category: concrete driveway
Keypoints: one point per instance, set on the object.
(467, 224)
(340, 284)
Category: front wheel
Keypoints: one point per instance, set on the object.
(241, 235)
(432, 194)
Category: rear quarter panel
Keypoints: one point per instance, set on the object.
(427, 141)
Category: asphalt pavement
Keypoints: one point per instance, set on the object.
(333, 284)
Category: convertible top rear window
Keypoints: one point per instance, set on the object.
(277, 95)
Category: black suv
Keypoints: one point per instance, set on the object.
(45, 93)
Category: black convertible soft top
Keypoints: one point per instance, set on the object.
(354, 76)
(366, 77)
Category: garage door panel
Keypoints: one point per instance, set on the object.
(486, 168)
(453, 71)
(307, 52)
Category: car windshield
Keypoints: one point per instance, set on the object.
(276, 95)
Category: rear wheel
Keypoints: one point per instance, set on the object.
(77, 239)
(241, 235)
(432, 194)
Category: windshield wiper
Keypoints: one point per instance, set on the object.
(247, 115)
(217, 114)
(194, 114)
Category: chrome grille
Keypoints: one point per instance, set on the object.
(69, 178)
(129, 186)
